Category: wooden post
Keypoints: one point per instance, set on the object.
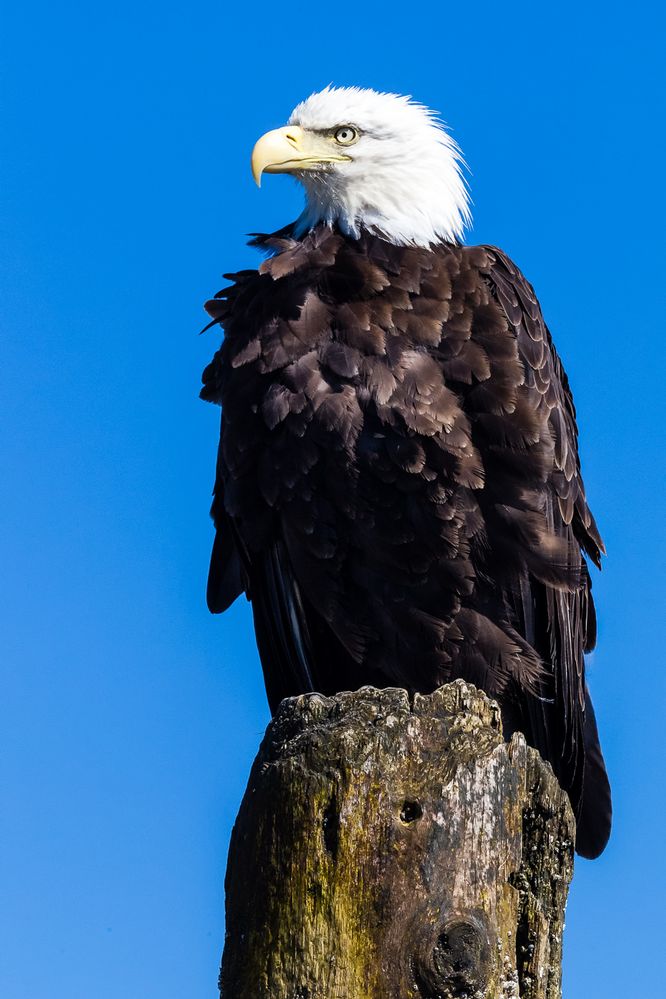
(394, 850)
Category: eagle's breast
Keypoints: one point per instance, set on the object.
(346, 360)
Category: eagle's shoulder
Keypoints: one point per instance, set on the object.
(546, 387)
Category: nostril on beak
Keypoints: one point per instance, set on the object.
(292, 137)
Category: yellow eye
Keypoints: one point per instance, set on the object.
(346, 135)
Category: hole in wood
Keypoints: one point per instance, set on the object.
(331, 827)
(410, 812)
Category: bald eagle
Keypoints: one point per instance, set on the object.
(398, 485)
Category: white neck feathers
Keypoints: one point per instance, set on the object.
(405, 179)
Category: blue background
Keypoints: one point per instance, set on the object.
(130, 717)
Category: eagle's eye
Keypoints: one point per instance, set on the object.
(346, 135)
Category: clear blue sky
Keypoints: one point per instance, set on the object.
(130, 717)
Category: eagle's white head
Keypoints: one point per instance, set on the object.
(375, 161)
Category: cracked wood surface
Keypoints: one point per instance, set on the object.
(388, 849)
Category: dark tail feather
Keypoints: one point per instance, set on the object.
(225, 576)
(595, 813)
(282, 632)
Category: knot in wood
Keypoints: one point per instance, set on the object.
(459, 965)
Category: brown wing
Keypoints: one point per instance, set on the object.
(554, 605)
(266, 317)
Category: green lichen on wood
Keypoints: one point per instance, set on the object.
(396, 849)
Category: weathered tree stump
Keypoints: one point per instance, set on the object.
(394, 850)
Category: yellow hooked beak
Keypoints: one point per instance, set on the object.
(292, 148)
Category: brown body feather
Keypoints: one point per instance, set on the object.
(399, 490)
